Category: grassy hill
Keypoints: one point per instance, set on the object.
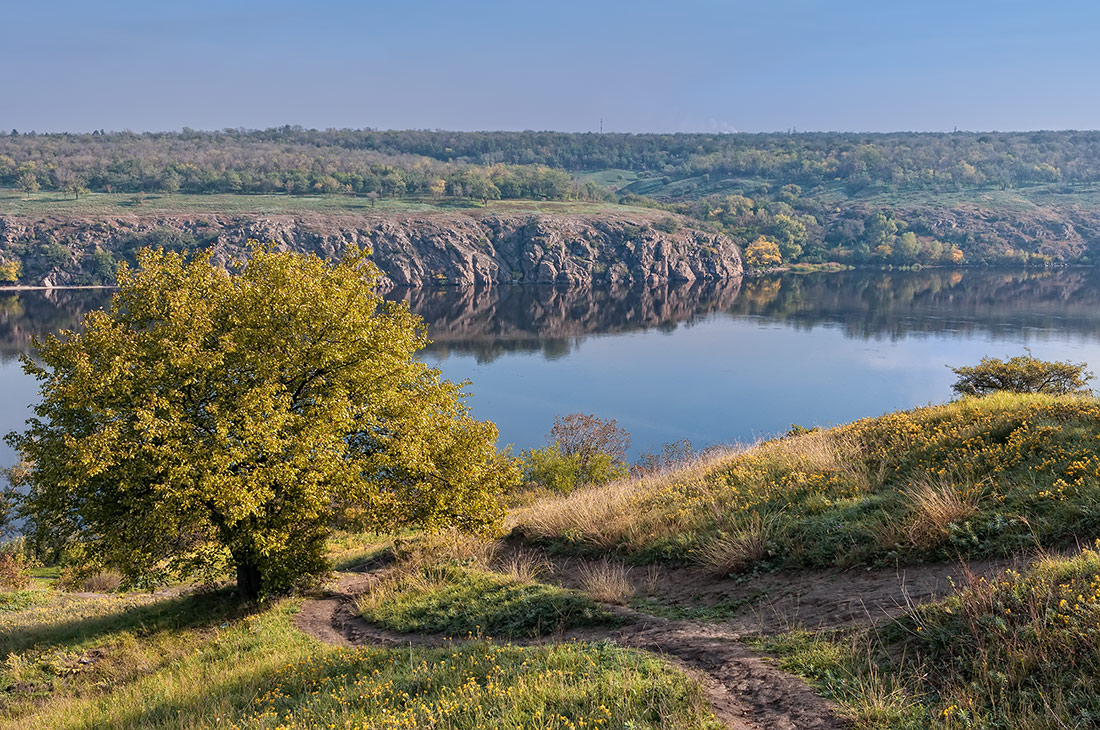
(920, 570)
(974, 478)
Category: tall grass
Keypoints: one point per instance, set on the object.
(1019, 650)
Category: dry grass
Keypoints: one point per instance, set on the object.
(606, 515)
(425, 551)
(936, 503)
(77, 580)
(524, 568)
(739, 549)
(398, 584)
(606, 582)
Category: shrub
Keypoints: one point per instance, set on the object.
(740, 549)
(667, 224)
(763, 254)
(14, 571)
(1022, 374)
(76, 579)
(584, 450)
(935, 504)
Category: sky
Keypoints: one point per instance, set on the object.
(640, 66)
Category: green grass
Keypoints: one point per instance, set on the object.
(137, 662)
(1017, 650)
(14, 202)
(461, 601)
(22, 600)
(978, 477)
(483, 685)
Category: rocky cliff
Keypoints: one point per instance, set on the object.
(413, 250)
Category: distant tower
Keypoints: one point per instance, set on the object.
(601, 125)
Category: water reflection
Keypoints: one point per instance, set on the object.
(488, 323)
(26, 314)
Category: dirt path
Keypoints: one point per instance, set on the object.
(772, 603)
(745, 691)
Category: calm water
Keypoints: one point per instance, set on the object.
(713, 364)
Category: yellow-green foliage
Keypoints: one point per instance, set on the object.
(10, 271)
(208, 417)
(1018, 650)
(142, 662)
(979, 476)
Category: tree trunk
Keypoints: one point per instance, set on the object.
(249, 580)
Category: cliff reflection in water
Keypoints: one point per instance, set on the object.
(27, 314)
(867, 305)
(490, 322)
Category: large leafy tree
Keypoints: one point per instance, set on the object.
(208, 419)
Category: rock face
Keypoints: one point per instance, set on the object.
(414, 250)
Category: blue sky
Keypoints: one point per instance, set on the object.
(677, 65)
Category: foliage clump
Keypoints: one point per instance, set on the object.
(763, 254)
(209, 418)
(14, 568)
(583, 449)
(1022, 374)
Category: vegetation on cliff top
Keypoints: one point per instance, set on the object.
(881, 199)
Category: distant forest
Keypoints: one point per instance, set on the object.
(804, 192)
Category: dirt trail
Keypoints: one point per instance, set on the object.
(745, 691)
(771, 603)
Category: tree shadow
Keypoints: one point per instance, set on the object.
(171, 614)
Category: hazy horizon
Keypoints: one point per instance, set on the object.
(700, 66)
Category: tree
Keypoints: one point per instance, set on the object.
(28, 181)
(10, 271)
(790, 235)
(170, 182)
(1022, 374)
(908, 248)
(208, 420)
(763, 254)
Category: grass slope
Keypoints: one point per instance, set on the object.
(203, 662)
(459, 601)
(1019, 650)
(976, 477)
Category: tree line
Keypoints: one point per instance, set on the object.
(370, 160)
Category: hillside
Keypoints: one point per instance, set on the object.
(890, 562)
